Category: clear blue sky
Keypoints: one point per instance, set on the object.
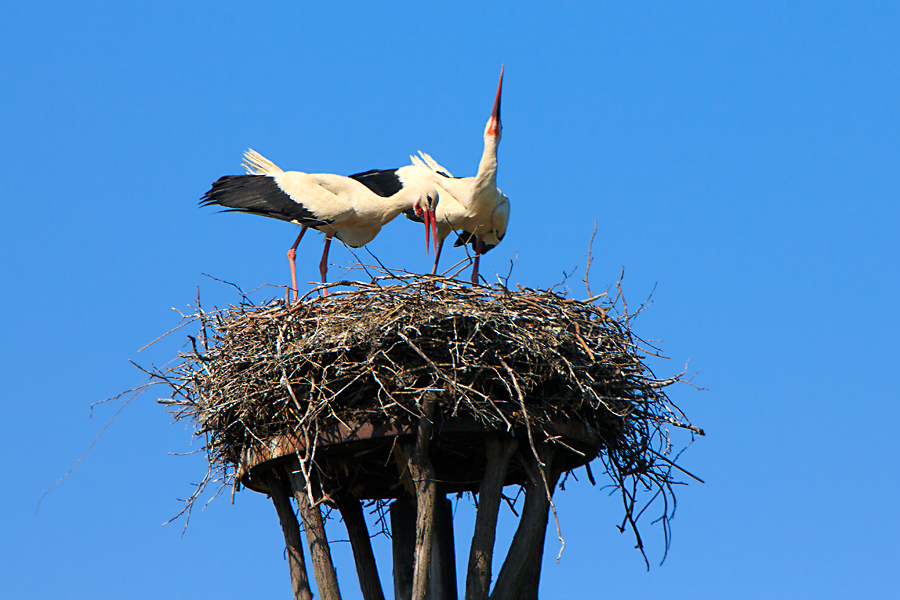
(742, 156)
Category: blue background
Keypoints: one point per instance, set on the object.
(742, 157)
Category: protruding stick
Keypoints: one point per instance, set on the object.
(291, 528)
(319, 552)
(478, 577)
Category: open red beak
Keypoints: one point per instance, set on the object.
(495, 115)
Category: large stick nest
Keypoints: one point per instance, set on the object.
(371, 352)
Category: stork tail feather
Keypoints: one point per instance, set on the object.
(257, 164)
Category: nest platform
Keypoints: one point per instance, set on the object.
(410, 388)
(364, 457)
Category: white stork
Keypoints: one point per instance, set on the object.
(335, 205)
(473, 206)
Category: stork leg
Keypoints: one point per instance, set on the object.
(437, 256)
(477, 259)
(323, 264)
(292, 257)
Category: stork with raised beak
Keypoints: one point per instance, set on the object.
(472, 206)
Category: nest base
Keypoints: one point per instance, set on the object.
(365, 457)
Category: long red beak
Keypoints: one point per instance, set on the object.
(434, 231)
(495, 115)
(430, 230)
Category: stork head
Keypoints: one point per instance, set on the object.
(425, 209)
(494, 127)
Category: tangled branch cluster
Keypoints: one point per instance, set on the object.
(370, 352)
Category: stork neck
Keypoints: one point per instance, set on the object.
(487, 168)
(404, 200)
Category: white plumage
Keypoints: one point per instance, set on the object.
(487, 219)
(337, 206)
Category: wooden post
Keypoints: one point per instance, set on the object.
(422, 472)
(532, 577)
(358, 532)
(319, 552)
(531, 525)
(291, 528)
(478, 577)
(442, 583)
(403, 544)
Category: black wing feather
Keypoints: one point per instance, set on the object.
(384, 182)
(258, 195)
(466, 237)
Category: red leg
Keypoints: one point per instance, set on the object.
(323, 265)
(477, 259)
(437, 256)
(292, 257)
